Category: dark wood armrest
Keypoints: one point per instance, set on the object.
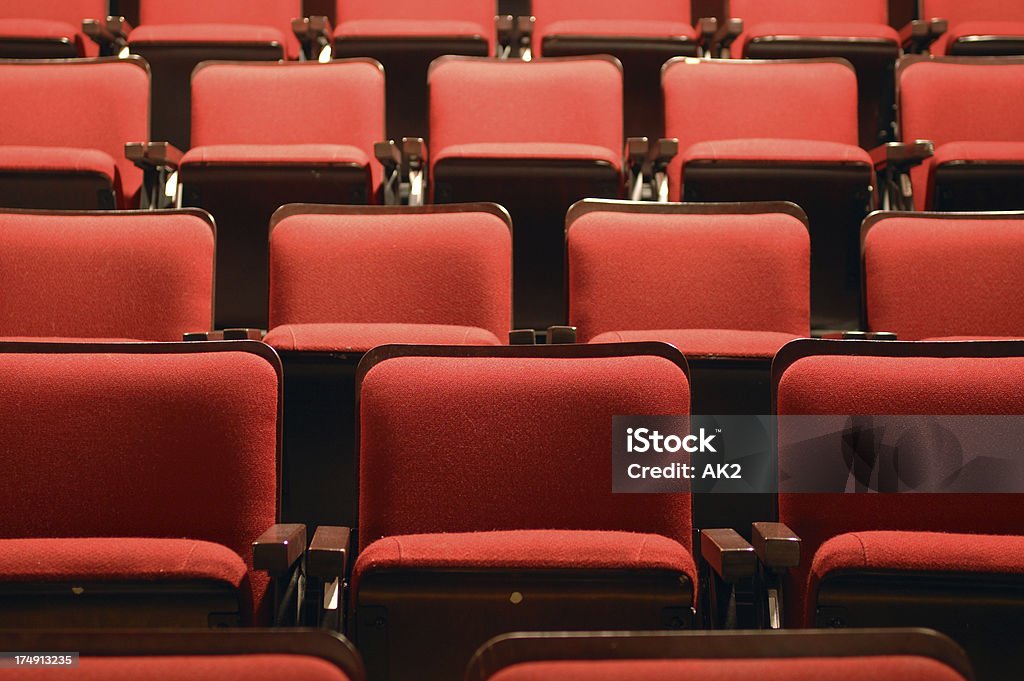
(728, 554)
(388, 155)
(902, 155)
(315, 34)
(636, 151)
(707, 29)
(726, 36)
(414, 153)
(776, 546)
(522, 337)
(153, 155)
(561, 335)
(278, 549)
(662, 152)
(111, 33)
(857, 335)
(328, 553)
(226, 334)
(919, 34)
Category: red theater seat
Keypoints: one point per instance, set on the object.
(299, 654)
(865, 655)
(142, 275)
(940, 276)
(977, 27)
(947, 561)
(467, 457)
(345, 279)
(857, 31)
(175, 36)
(535, 137)
(48, 29)
(782, 130)
(642, 35)
(63, 127)
(968, 107)
(165, 457)
(405, 36)
(727, 284)
(265, 135)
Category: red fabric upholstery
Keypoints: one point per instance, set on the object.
(629, 271)
(234, 16)
(451, 269)
(54, 19)
(266, 106)
(276, 155)
(37, 29)
(250, 667)
(764, 100)
(708, 342)
(159, 446)
(863, 668)
(457, 445)
(895, 385)
(115, 559)
(934, 277)
(80, 105)
(364, 337)
(544, 102)
(414, 18)
(534, 150)
(958, 102)
(839, 31)
(975, 338)
(776, 151)
(1008, 153)
(143, 276)
(755, 12)
(652, 18)
(529, 550)
(967, 29)
(59, 160)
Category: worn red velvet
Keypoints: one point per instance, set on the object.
(364, 337)
(633, 272)
(111, 107)
(895, 385)
(577, 102)
(222, 17)
(370, 18)
(761, 100)
(159, 446)
(257, 105)
(865, 668)
(251, 667)
(708, 342)
(485, 444)
(934, 277)
(654, 18)
(527, 549)
(142, 276)
(958, 102)
(450, 269)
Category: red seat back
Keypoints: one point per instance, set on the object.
(755, 12)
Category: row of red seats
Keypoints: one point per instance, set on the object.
(311, 655)
(467, 457)
(781, 131)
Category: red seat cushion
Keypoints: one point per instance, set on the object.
(964, 29)
(398, 28)
(545, 151)
(865, 667)
(364, 337)
(119, 559)
(37, 29)
(628, 28)
(249, 667)
(528, 550)
(275, 155)
(838, 31)
(776, 150)
(914, 552)
(58, 160)
(708, 342)
(191, 34)
(64, 339)
(973, 338)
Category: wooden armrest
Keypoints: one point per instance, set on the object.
(226, 334)
(561, 335)
(278, 549)
(522, 337)
(328, 552)
(728, 554)
(148, 155)
(919, 34)
(776, 546)
(902, 155)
